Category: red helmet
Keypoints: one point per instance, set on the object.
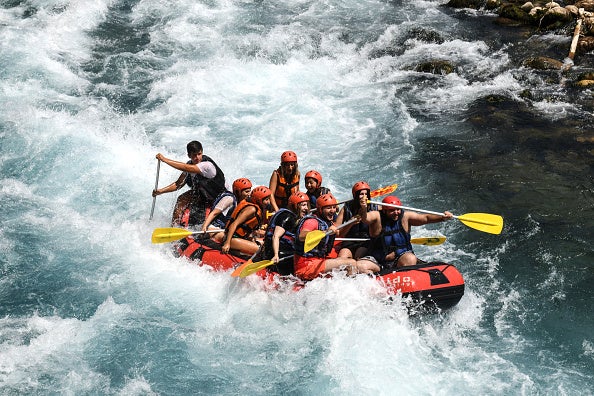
(314, 175)
(288, 156)
(360, 185)
(241, 184)
(297, 198)
(392, 200)
(325, 200)
(259, 194)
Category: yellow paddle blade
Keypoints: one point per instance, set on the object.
(239, 269)
(170, 234)
(428, 241)
(383, 190)
(486, 222)
(312, 239)
(255, 267)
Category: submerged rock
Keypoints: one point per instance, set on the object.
(542, 63)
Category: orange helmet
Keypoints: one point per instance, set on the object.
(241, 184)
(360, 185)
(259, 194)
(297, 198)
(288, 156)
(314, 175)
(325, 200)
(392, 200)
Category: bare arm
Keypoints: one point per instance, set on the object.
(176, 185)
(243, 217)
(182, 166)
(278, 233)
(419, 219)
(272, 185)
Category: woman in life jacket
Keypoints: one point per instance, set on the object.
(355, 249)
(390, 232)
(224, 205)
(280, 233)
(246, 219)
(308, 265)
(205, 179)
(313, 184)
(284, 181)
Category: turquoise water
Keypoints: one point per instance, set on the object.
(91, 91)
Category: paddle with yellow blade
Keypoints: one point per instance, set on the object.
(170, 234)
(314, 237)
(427, 241)
(374, 194)
(248, 263)
(249, 268)
(485, 222)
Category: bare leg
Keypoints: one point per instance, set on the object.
(407, 259)
(367, 266)
(350, 263)
(345, 253)
(244, 246)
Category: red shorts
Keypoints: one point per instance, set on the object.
(308, 268)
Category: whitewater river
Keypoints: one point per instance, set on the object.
(91, 91)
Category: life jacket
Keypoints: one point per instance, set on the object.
(359, 230)
(245, 230)
(325, 246)
(222, 218)
(207, 189)
(286, 219)
(316, 194)
(393, 238)
(284, 188)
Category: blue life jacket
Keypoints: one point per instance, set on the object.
(288, 221)
(393, 238)
(314, 196)
(221, 220)
(323, 248)
(359, 230)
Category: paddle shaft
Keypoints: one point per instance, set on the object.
(156, 186)
(374, 193)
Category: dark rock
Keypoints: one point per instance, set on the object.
(542, 63)
(435, 67)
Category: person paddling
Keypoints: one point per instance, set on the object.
(310, 264)
(280, 234)
(246, 220)
(390, 228)
(205, 179)
(284, 181)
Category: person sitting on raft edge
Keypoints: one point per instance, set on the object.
(309, 265)
(246, 220)
(389, 229)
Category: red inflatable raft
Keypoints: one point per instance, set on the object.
(433, 285)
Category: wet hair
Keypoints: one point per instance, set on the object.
(194, 147)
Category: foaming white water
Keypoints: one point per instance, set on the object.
(106, 312)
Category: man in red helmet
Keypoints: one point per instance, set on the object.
(389, 229)
(246, 219)
(284, 181)
(308, 265)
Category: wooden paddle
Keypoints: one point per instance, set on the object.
(485, 222)
(170, 234)
(314, 237)
(374, 194)
(156, 186)
(428, 241)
